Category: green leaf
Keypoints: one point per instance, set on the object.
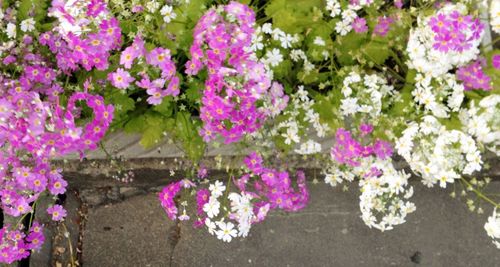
(135, 125)
(376, 52)
(151, 137)
(165, 108)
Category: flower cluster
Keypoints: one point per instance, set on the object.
(80, 42)
(495, 16)
(298, 121)
(455, 31)
(482, 121)
(430, 46)
(159, 58)
(349, 16)
(437, 154)
(260, 190)
(474, 77)
(384, 190)
(348, 150)
(236, 81)
(364, 94)
(16, 245)
(440, 95)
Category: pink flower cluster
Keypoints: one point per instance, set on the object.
(383, 26)
(167, 196)
(15, 244)
(159, 58)
(34, 128)
(455, 31)
(236, 81)
(348, 150)
(272, 188)
(474, 77)
(91, 50)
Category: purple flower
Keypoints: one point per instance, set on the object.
(383, 26)
(359, 25)
(495, 60)
(474, 77)
(382, 149)
(57, 211)
(120, 78)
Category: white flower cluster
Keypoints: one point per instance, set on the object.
(265, 33)
(348, 15)
(425, 59)
(224, 231)
(363, 93)
(483, 122)
(437, 154)
(241, 211)
(335, 175)
(384, 199)
(495, 16)
(384, 190)
(264, 37)
(300, 116)
(492, 227)
(433, 92)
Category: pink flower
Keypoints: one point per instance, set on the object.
(359, 25)
(495, 59)
(474, 77)
(383, 26)
(58, 212)
(120, 78)
(382, 149)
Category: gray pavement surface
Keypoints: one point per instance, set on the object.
(329, 232)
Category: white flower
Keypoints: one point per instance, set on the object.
(309, 147)
(267, 28)
(226, 232)
(11, 30)
(349, 106)
(212, 207)
(492, 227)
(210, 225)
(273, 57)
(168, 13)
(28, 25)
(152, 6)
(343, 27)
(291, 136)
(287, 40)
(217, 189)
(319, 41)
(334, 7)
(1, 14)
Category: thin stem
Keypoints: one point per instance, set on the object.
(478, 193)
(73, 264)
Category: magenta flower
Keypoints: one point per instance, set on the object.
(120, 78)
(254, 162)
(365, 129)
(58, 212)
(474, 77)
(382, 149)
(495, 60)
(383, 26)
(359, 25)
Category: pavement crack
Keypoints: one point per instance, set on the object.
(173, 239)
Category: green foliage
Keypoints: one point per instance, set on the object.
(36, 9)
